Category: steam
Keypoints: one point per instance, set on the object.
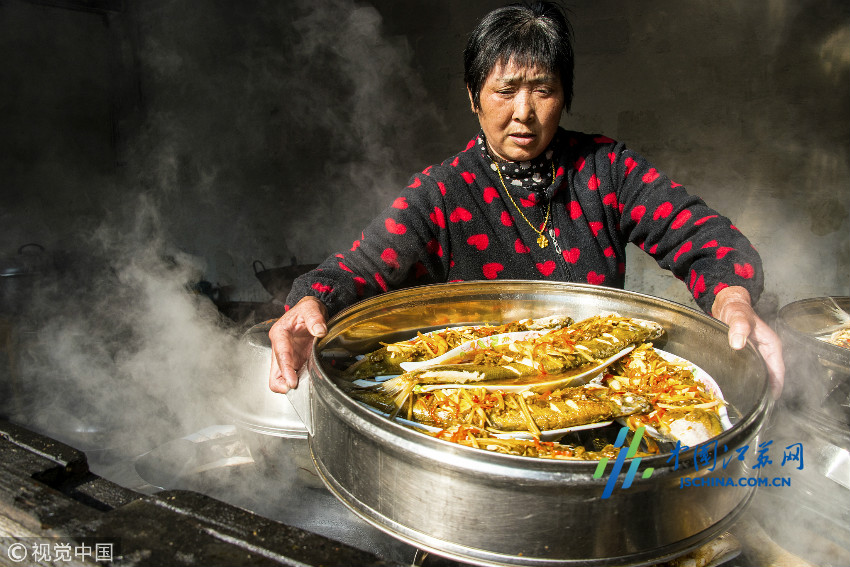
(263, 126)
(126, 354)
(295, 105)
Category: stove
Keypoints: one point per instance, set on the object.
(48, 492)
(186, 503)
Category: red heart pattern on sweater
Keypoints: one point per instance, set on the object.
(638, 212)
(379, 279)
(530, 201)
(394, 227)
(595, 279)
(575, 210)
(571, 255)
(438, 218)
(663, 211)
(491, 270)
(681, 219)
(546, 268)
(480, 241)
(578, 165)
(460, 214)
(390, 258)
(650, 176)
(746, 271)
(698, 287)
(682, 249)
(722, 251)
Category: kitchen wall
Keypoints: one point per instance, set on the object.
(265, 130)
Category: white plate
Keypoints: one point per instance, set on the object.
(703, 378)
(561, 382)
(468, 346)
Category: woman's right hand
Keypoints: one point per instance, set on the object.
(292, 336)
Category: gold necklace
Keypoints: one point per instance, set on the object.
(542, 241)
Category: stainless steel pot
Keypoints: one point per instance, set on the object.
(494, 509)
(818, 372)
(249, 403)
(266, 422)
(815, 412)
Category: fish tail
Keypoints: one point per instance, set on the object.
(397, 384)
(400, 396)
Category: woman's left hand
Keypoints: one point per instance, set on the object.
(733, 306)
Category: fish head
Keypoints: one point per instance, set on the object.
(628, 403)
(652, 328)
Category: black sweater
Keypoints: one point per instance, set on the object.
(454, 222)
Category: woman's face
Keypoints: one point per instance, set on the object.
(520, 111)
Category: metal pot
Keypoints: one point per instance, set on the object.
(266, 422)
(816, 412)
(818, 372)
(494, 509)
(19, 274)
(278, 281)
(250, 404)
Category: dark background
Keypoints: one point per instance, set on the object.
(266, 130)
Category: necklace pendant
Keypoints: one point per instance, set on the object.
(542, 241)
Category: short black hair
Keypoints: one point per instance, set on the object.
(530, 35)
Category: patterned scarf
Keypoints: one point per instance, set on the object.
(534, 175)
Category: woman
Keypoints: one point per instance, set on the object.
(527, 199)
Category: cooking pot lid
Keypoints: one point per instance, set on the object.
(251, 404)
(818, 372)
(812, 320)
(29, 260)
(815, 315)
(283, 423)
